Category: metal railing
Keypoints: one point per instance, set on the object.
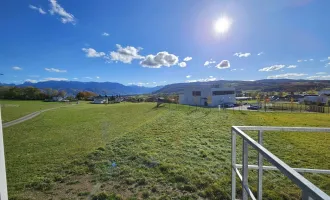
(309, 190)
(3, 179)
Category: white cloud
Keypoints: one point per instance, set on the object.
(233, 69)
(223, 64)
(105, 34)
(66, 17)
(286, 76)
(139, 84)
(161, 59)
(97, 77)
(182, 64)
(292, 66)
(154, 82)
(41, 11)
(242, 54)
(31, 81)
(75, 78)
(320, 73)
(186, 59)
(305, 60)
(210, 78)
(92, 53)
(125, 54)
(325, 77)
(271, 68)
(87, 77)
(209, 62)
(188, 76)
(259, 54)
(54, 79)
(17, 68)
(55, 70)
(242, 69)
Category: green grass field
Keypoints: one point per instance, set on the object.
(138, 151)
(11, 110)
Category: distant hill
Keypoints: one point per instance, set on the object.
(73, 87)
(109, 88)
(267, 85)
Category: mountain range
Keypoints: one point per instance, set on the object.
(110, 88)
(73, 87)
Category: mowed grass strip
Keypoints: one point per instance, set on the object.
(181, 152)
(54, 138)
(186, 154)
(14, 109)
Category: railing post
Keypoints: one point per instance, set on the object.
(245, 171)
(3, 179)
(233, 164)
(260, 165)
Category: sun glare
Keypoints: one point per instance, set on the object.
(222, 25)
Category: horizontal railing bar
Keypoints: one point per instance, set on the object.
(275, 128)
(245, 188)
(298, 179)
(304, 170)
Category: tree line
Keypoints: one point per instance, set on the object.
(32, 93)
(29, 93)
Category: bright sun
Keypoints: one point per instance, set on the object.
(222, 25)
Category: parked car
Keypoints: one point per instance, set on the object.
(227, 105)
(253, 107)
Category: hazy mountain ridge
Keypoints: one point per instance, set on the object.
(73, 87)
(111, 88)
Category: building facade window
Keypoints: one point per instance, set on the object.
(196, 93)
(216, 93)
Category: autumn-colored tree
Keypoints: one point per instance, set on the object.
(84, 95)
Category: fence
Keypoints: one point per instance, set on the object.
(309, 190)
(296, 107)
(278, 107)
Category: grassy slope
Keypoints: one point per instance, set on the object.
(159, 152)
(59, 136)
(11, 110)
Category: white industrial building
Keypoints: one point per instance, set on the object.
(207, 95)
(100, 99)
(322, 98)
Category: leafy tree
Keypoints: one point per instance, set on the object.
(55, 93)
(85, 95)
(25, 93)
(62, 93)
(48, 92)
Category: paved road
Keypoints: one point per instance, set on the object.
(243, 107)
(27, 117)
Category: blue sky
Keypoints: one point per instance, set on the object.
(152, 43)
